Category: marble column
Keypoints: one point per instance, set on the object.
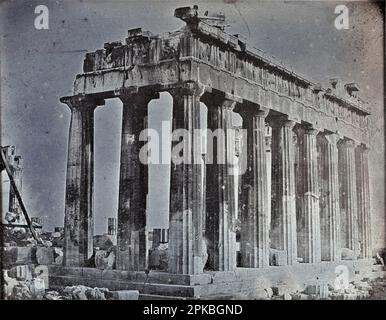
(364, 221)
(308, 222)
(187, 253)
(283, 224)
(348, 195)
(254, 234)
(220, 207)
(329, 208)
(133, 185)
(78, 217)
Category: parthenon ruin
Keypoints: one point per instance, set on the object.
(316, 202)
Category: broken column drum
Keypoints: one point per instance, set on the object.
(319, 182)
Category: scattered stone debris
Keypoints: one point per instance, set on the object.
(52, 295)
(84, 293)
(105, 259)
(58, 256)
(348, 254)
(21, 291)
(158, 257)
(289, 288)
(87, 293)
(103, 242)
(380, 259)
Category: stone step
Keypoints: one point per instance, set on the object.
(138, 276)
(221, 290)
(160, 297)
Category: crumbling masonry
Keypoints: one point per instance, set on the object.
(320, 182)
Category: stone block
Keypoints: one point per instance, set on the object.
(321, 290)
(19, 255)
(287, 296)
(111, 275)
(104, 260)
(96, 293)
(70, 271)
(41, 272)
(281, 290)
(200, 279)
(269, 292)
(223, 276)
(91, 273)
(10, 283)
(277, 257)
(103, 242)
(348, 254)
(76, 292)
(45, 255)
(21, 272)
(124, 295)
(290, 279)
(38, 288)
(350, 296)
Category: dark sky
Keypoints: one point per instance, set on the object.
(39, 66)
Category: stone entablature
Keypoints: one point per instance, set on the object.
(206, 54)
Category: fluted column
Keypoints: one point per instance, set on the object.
(364, 221)
(78, 216)
(309, 247)
(186, 254)
(254, 241)
(220, 207)
(348, 195)
(330, 212)
(133, 185)
(283, 224)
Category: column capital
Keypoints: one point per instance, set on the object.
(248, 109)
(189, 88)
(281, 121)
(213, 99)
(82, 101)
(365, 148)
(349, 143)
(332, 138)
(142, 94)
(311, 131)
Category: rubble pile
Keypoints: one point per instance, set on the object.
(87, 293)
(378, 291)
(25, 260)
(288, 287)
(358, 290)
(21, 237)
(104, 259)
(25, 282)
(35, 287)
